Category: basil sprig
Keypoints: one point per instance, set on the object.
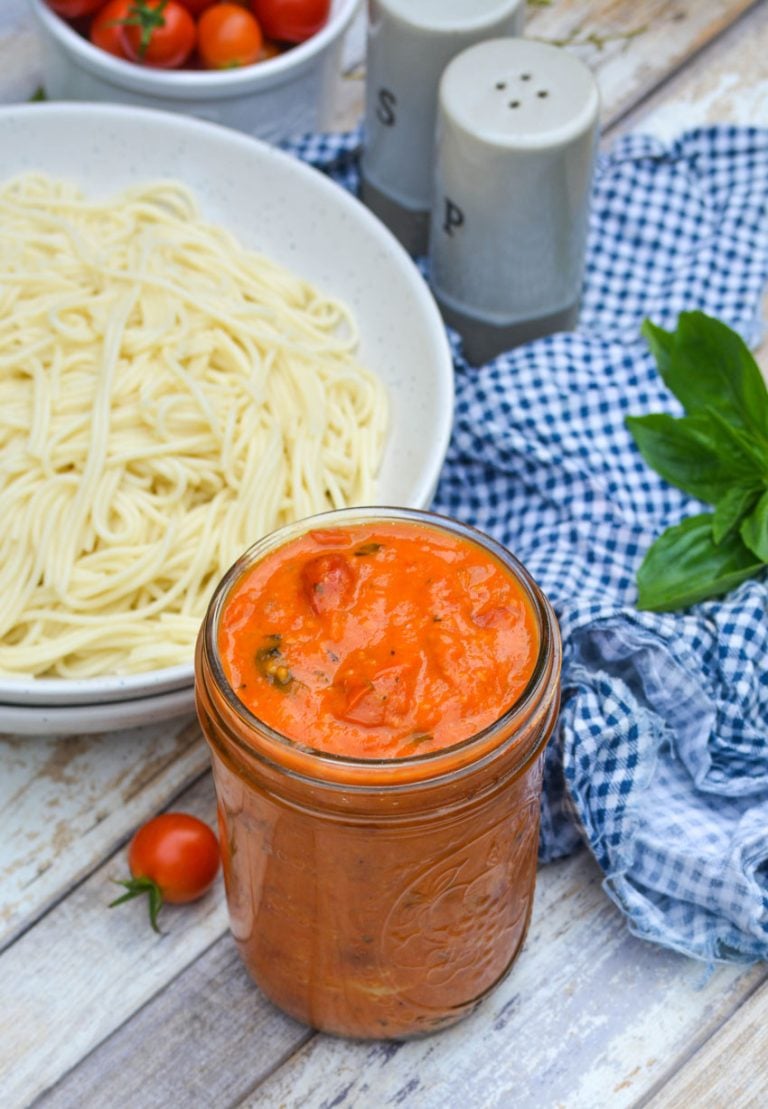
(717, 452)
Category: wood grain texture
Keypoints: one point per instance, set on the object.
(732, 1067)
(730, 83)
(632, 45)
(589, 1016)
(84, 969)
(207, 1040)
(67, 803)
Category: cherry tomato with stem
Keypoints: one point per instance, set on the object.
(159, 33)
(108, 30)
(291, 20)
(74, 9)
(174, 857)
(228, 36)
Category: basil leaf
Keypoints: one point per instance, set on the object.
(708, 365)
(685, 566)
(741, 448)
(754, 530)
(731, 509)
(694, 453)
(661, 344)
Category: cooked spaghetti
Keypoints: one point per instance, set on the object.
(168, 397)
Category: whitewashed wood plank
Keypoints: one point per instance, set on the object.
(66, 803)
(84, 969)
(729, 83)
(206, 1040)
(634, 44)
(589, 1016)
(730, 1069)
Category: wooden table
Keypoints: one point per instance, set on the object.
(99, 1011)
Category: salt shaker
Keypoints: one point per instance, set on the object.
(516, 137)
(410, 42)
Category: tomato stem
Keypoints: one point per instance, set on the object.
(147, 20)
(137, 887)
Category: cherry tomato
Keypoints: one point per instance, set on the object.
(291, 20)
(228, 36)
(107, 27)
(328, 582)
(173, 857)
(74, 9)
(159, 33)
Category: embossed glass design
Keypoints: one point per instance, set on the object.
(379, 898)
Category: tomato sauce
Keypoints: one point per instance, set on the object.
(378, 640)
(380, 861)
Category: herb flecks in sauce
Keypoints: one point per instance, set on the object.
(270, 662)
(361, 667)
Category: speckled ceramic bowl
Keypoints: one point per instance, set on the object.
(275, 204)
(284, 96)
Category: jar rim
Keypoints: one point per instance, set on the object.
(458, 755)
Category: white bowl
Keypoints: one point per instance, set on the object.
(274, 203)
(283, 96)
(105, 717)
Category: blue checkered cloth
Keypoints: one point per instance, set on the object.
(660, 757)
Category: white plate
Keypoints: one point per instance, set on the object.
(275, 204)
(74, 719)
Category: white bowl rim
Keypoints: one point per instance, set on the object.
(43, 719)
(61, 691)
(187, 84)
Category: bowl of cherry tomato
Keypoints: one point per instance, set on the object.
(267, 67)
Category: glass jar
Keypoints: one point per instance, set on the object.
(378, 898)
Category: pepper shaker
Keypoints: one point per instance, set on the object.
(410, 42)
(516, 137)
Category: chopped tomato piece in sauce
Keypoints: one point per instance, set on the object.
(329, 583)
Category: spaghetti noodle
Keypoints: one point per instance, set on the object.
(168, 397)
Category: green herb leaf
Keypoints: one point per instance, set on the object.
(754, 529)
(731, 509)
(694, 453)
(661, 344)
(707, 365)
(271, 664)
(685, 566)
(741, 448)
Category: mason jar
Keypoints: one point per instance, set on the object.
(378, 897)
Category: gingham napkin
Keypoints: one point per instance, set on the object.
(660, 758)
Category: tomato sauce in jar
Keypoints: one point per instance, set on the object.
(377, 687)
